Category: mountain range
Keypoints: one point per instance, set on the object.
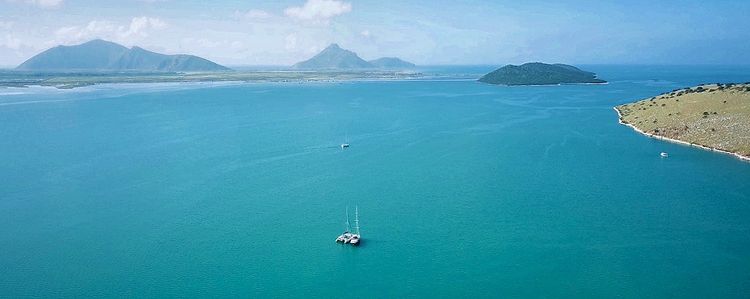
(334, 57)
(101, 55)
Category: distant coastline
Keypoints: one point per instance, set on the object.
(659, 134)
(103, 62)
(80, 79)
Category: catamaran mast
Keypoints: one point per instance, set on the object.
(356, 219)
(347, 219)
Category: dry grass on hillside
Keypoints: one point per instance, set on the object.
(714, 115)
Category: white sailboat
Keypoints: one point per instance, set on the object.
(348, 237)
(345, 144)
(356, 236)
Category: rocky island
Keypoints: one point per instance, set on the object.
(537, 73)
(711, 116)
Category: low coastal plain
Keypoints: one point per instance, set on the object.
(73, 80)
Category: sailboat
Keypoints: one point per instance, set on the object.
(345, 144)
(348, 237)
(356, 236)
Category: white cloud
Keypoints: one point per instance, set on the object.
(138, 28)
(40, 3)
(46, 3)
(290, 42)
(202, 43)
(254, 14)
(6, 25)
(10, 42)
(212, 44)
(76, 34)
(365, 33)
(318, 10)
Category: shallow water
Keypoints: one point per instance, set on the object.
(464, 189)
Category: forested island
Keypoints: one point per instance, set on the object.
(537, 73)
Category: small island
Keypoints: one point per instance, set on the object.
(710, 116)
(537, 73)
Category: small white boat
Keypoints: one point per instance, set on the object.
(664, 155)
(346, 142)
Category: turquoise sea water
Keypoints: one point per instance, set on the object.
(464, 190)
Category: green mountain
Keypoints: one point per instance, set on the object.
(537, 73)
(101, 55)
(391, 62)
(334, 57)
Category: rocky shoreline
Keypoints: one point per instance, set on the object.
(622, 121)
(714, 117)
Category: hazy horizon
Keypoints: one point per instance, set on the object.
(261, 33)
(238, 67)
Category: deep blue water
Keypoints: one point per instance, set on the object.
(464, 190)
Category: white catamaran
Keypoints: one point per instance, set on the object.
(345, 144)
(348, 237)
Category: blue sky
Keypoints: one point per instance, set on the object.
(248, 32)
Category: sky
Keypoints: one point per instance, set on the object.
(426, 32)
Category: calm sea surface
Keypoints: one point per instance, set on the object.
(464, 190)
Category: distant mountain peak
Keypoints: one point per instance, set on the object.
(336, 49)
(98, 41)
(335, 57)
(102, 55)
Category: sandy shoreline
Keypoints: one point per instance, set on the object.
(619, 119)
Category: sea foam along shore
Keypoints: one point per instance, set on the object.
(619, 119)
